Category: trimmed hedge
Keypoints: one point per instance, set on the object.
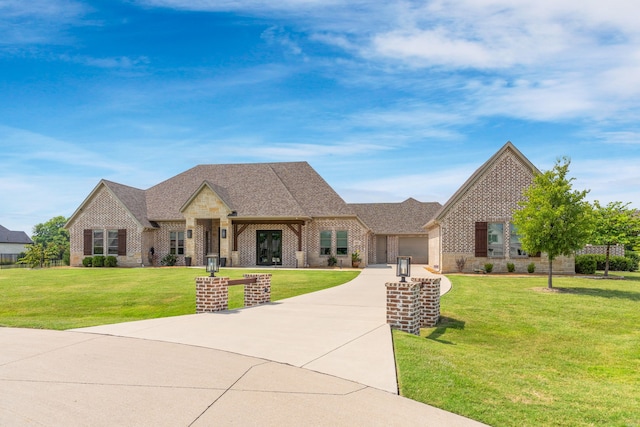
(110, 261)
(616, 263)
(98, 260)
(88, 261)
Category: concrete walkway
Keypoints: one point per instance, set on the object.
(241, 366)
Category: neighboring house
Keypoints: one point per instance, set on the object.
(286, 214)
(13, 242)
(475, 224)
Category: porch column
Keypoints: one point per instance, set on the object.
(190, 243)
(225, 243)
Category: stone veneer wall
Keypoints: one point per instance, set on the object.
(357, 236)
(492, 198)
(105, 212)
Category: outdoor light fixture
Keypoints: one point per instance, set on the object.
(189, 234)
(223, 233)
(403, 268)
(212, 264)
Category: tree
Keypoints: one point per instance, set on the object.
(552, 217)
(614, 224)
(52, 236)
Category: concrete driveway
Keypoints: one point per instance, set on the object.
(319, 359)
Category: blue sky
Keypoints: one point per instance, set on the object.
(386, 100)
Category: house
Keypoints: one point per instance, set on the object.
(285, 214)
(250, 214)
(475, 224)
(13, 243)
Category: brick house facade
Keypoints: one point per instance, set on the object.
(285, 214)
(474, 225)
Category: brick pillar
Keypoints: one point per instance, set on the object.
(212, 294)
(403, 306)
(429, 300)
(259, 292)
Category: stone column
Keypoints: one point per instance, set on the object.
(300, 259)
(403, 306)
(259, 292)
(212, 294)
(190, 243)
(225, 244)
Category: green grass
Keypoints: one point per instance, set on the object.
(508, 353)
(65, 298)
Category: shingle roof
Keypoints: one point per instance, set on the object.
(8, 236)
(288, 189)
(407, 217)
(133, 199)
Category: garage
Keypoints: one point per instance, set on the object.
(416, 247)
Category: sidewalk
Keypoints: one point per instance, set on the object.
(237, 367)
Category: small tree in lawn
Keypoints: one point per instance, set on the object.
(614, 224)
(552, 217)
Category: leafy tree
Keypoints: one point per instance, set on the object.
(34, 256)
(552, 217)
(52, 236)
(615, 224)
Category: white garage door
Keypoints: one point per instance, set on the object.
(416, 247)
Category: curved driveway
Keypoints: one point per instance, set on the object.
(318, 359)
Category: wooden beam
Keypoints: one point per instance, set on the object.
(297, 232)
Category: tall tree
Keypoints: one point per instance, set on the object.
(614, 224)
(553, 218)
(52, 234)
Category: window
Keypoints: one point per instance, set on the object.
(342, 242)
(515, 246)
(98, 242)
(94, 242)
(325, 243)
(495, 239)
(176, 242)
(112, 240)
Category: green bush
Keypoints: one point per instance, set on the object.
(531, 267)
(98, 260)
(110, 261)
(511, 267)
(169, 260)
(332, 261)
(88, 261)
(586, 264)
(488, 267)
(635, 259)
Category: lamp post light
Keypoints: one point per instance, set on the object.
(212, 264)
(403, 269)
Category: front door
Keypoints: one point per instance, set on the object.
(269, 247)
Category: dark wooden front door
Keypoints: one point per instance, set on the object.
(269, 247)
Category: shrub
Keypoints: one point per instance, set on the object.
(586, 264)
(98, 260)
(531, 267)
(460, 262)
(88, 261)
(511, 267)
(332, 261)
(110, 261)
(488, 267)
(635, 259)
(169, 260)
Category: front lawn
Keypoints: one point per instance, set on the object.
(509, 353)
(65, 298)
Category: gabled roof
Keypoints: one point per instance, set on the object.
(8, 236)
(253, 190)
(132, 199)
(407, 217)
(508, 147)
